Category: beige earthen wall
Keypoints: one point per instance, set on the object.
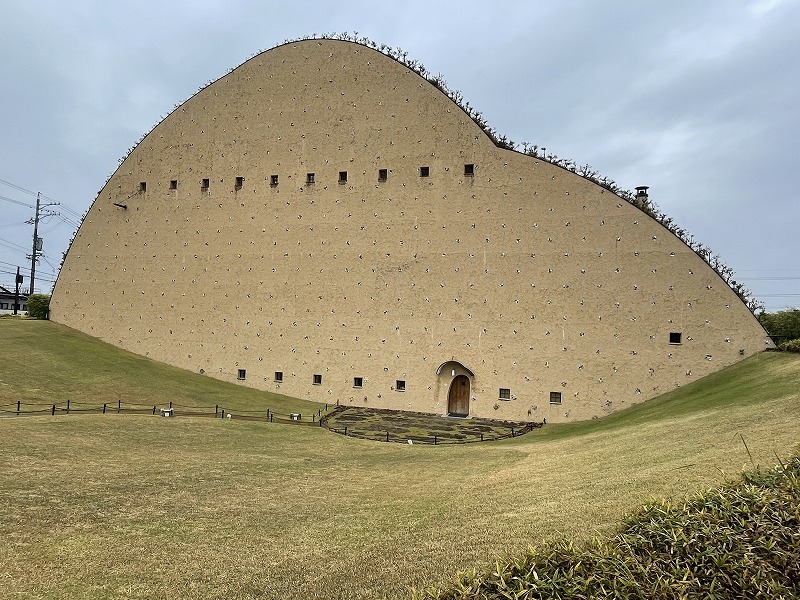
(527, 276)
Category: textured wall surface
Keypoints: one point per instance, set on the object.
(522, 276)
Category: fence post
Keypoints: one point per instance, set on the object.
(154, 409)
(313, 417)
(170, 403)
(320, 422)
(119, 405)
(17, 407)
(481, 436)
(104, 408)
(326, 406)
(345, 431)
(387, 436)
(434, 440)
(512, 432)
(270, 417)
(53, 412)
(216, 410)
(223, 413)
(67, 405)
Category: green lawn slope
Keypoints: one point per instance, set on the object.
(136, 506)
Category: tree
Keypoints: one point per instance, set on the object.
(39, 306)
(784, 324)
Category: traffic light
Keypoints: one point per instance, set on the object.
(19, 278)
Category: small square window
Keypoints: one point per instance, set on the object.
(173, 184)
(358, 382)
(675, 337)
(278, 376)
(383, 174)
(317, 379)
(273, 180)
(555, 397)
(424, 171)
(242, 374)
(400, 385)
(342, 176)
(469, 170)
(309, 178)
(142, 186)
(205, 184)
(505, 394)
(239, 182)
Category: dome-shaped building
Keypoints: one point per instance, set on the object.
(325, 222)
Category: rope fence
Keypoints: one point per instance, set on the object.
(318, 418)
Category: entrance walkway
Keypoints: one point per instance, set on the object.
(421, 428)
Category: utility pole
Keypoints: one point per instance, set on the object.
(37, 245)
(37, 241)
(16, 291)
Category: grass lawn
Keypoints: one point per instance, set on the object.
(135, 506)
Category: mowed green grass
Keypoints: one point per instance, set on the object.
(135, 506)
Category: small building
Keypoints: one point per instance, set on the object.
(7, 302)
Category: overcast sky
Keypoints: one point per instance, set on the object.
(698, 100)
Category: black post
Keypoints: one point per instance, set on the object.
(313, 417)
(17, 407)
(387, 436)
(104, 408)
(345, 431)
(434, 440)
(270, 417)
(67, 405)
(119, 405)
(53, 413)
(512, 432)
(16, 292)
(481, 437)
(320, 422)
(170, 404)
(154, 409)
(326, 406)
(216, 410)
(223, 413)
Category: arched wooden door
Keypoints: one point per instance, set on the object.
(458, 398)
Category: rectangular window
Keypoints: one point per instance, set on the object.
(400, 385)
(505, 394)
(142, 186)
(342, 176)
(278, 376)
(424, 171)
(358, 382)
(317, 379)
(239, 182)
(273, 180)
(309, 178)
(383, 174)
(469, 170)
(3, 306)
(173, 184)
(205, 184)
(242, 374)
(675, 337)
(555, 397)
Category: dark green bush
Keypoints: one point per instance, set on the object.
(740, 541)
(38, 306)
(791, 346)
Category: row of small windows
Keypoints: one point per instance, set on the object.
(399, 385)
(505, 394)
(383, 175)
